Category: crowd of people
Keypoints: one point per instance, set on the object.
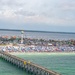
(37, 48)
(36, 45)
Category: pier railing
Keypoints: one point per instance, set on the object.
(26, 65)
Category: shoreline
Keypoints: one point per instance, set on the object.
(42, 53)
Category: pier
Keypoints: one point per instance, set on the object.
(27, 66)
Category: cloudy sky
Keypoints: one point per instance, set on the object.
(44, 15)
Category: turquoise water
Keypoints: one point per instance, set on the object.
(8, 69)
(64, 64)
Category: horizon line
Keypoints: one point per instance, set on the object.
(36, 31)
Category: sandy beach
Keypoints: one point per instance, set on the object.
(42, 53)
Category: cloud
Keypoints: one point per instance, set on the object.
(54, 12)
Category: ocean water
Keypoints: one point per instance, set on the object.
(8, 69)
(38, 35)
(61, 63)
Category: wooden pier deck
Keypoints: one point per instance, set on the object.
(28, 66)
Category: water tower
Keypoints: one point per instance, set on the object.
(22, 36)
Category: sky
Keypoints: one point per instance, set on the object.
(43, 15)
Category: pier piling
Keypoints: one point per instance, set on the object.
(28, 66)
